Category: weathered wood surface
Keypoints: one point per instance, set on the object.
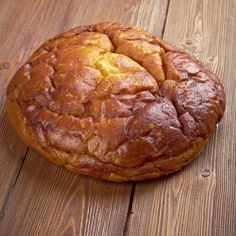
(201, 199)
(39, 198)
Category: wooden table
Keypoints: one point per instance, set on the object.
(39, 198)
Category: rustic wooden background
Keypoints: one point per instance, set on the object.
(39, 198)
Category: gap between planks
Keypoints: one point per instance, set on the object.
(127, 222)
(2, 211)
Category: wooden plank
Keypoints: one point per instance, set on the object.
(45, 199)
(200, 199)
(48, 200)
(14, 47)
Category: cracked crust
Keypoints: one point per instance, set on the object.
(114, 102)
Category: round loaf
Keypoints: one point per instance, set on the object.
(114, 102)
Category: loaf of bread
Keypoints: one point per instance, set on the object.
(114, 102)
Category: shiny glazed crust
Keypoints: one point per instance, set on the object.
(114, 102)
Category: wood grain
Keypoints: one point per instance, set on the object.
(48, 200)
(200, 199)
(39, 197)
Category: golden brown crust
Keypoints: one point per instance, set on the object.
(114, 102)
